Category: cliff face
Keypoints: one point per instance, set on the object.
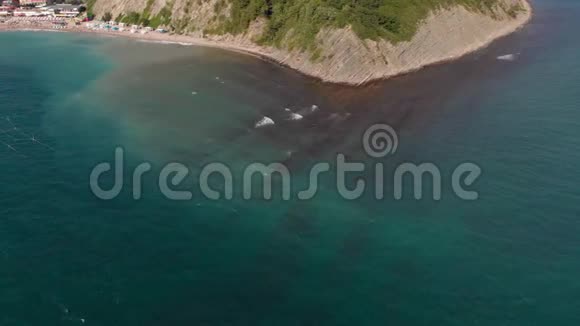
(342, 56)
(188, 16)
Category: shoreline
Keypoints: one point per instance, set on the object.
(267, 53)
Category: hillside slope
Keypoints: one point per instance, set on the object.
(347, 45)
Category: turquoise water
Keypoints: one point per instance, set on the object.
(510, 258)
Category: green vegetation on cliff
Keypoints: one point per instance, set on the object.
(163, 18)
(296, 22)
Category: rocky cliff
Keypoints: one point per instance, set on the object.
(339, 54)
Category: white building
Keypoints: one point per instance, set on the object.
(35, 3)
(5, 11)
(28, 13)
(63, 10)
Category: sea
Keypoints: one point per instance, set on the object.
(163, 250)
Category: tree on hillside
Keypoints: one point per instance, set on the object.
(107, 16)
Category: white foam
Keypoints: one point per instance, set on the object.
(38, 30)
(265, 121)
(507, 57)
(163, 42)
(296, 116)
(314, 108)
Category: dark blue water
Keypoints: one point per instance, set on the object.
(512, 257)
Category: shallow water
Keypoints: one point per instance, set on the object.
(510, 258)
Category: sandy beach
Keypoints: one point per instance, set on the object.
(293, 60)
(47, 26)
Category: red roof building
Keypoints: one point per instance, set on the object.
(10, 3)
